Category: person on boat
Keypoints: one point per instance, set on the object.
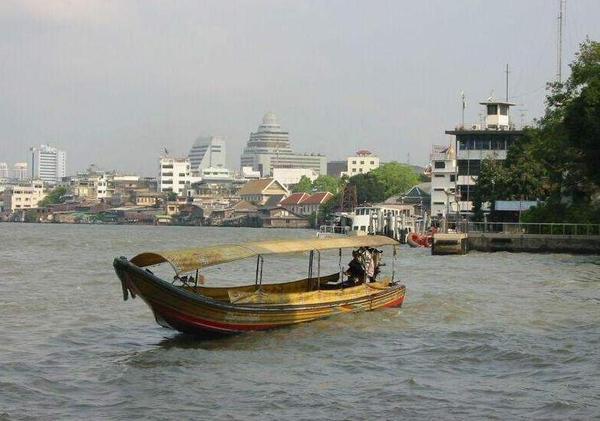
(355, 271)
(368, 263)
(376, 255)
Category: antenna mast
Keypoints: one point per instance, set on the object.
(507, 72)
(559, 42)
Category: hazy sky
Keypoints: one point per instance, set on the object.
(115, 82)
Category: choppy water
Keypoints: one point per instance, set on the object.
(482, 336)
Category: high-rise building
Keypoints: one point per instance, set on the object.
(20, 171)
(48, 164)
(443, 180)
(207, 152)
(269, 147)
(476, 142)
(3, 170)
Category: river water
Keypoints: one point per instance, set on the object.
(482, 336)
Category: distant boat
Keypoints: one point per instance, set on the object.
(186, 305)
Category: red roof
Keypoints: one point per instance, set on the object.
(294, 199)
(318, 198)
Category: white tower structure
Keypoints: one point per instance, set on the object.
(3, 170)
(207, 152)
(475, 143)
(48, 164)
(20, 171)
(443, 180)
(269, 147)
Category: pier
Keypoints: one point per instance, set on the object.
(520, 238)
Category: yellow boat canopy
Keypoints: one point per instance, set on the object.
(184, 261)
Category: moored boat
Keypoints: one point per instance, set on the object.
(186, 305)
(419, 240)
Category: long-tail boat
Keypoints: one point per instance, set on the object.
(187, 305)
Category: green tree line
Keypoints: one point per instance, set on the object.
(557, 161)
(391, 179)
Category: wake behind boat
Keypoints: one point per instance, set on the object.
(184, 304)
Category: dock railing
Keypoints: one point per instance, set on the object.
(531, 228)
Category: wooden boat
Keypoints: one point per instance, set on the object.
(186, 305)
(419, 240)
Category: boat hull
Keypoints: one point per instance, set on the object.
(189, 312)
(419, 240)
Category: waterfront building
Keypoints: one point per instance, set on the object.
(207, 152)
(48, 164)
(269, 147)
(259, 191)
(24, 196)
(20, 171)
(443, 180)
(174, 174)
(361, 163)
(476, 142)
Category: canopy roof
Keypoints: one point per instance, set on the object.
(189, 260)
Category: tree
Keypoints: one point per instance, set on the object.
(303, 186)
(54, 197)
(326, 183)
(396, 178)
(369, 189)
(572, 122)
(557, 160)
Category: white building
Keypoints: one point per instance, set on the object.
(48, 164)
(174, 174)
(20, 171)
(23, 197)
(476, 142)
(291, 176)
(3, 170)
(207, 152)
(216, 173)
(363, 162)
(443, 180)
(269, 147)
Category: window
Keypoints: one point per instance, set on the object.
(492, 109)
(440, 164)
(452, 177)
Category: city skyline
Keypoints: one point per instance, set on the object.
(115, 83)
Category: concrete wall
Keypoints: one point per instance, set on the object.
(535, 243)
